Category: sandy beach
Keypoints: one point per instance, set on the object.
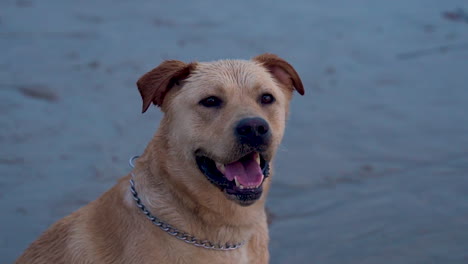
(374, 164)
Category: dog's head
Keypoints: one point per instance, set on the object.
(223, 119)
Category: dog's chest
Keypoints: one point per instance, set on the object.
(200, 256)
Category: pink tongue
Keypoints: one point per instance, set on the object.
(247, 171)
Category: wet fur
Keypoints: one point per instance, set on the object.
(111, 229)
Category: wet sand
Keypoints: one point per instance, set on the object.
(374, 165)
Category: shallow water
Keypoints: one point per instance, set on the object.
(374, 165)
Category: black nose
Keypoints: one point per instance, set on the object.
(253, 131)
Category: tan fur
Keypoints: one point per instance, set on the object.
(112, 229)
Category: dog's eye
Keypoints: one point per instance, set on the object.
(267, 99)
(211, 101)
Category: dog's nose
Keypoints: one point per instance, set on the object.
(253, 131)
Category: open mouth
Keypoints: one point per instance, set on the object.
(240, 180)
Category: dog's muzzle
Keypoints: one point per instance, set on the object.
(242, 179)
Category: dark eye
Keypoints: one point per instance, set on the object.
(267, 99)
(211, 101)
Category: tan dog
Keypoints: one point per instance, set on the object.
(205, 171)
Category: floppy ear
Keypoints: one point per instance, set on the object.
(154, 85)
(281, 70)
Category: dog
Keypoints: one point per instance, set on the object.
(197, 193)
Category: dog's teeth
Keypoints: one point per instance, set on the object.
(237, 182)
(261, 182)
(257, 158)
(220, 167)
(240, 186)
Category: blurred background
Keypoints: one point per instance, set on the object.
(374, 164)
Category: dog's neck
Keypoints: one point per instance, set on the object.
(215, 219)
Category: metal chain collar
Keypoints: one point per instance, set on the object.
(174, 231)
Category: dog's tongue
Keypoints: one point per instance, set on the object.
(246, 170)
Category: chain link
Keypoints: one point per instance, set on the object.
(187, 238)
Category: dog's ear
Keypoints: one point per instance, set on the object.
(281, 70)
(154, 85)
